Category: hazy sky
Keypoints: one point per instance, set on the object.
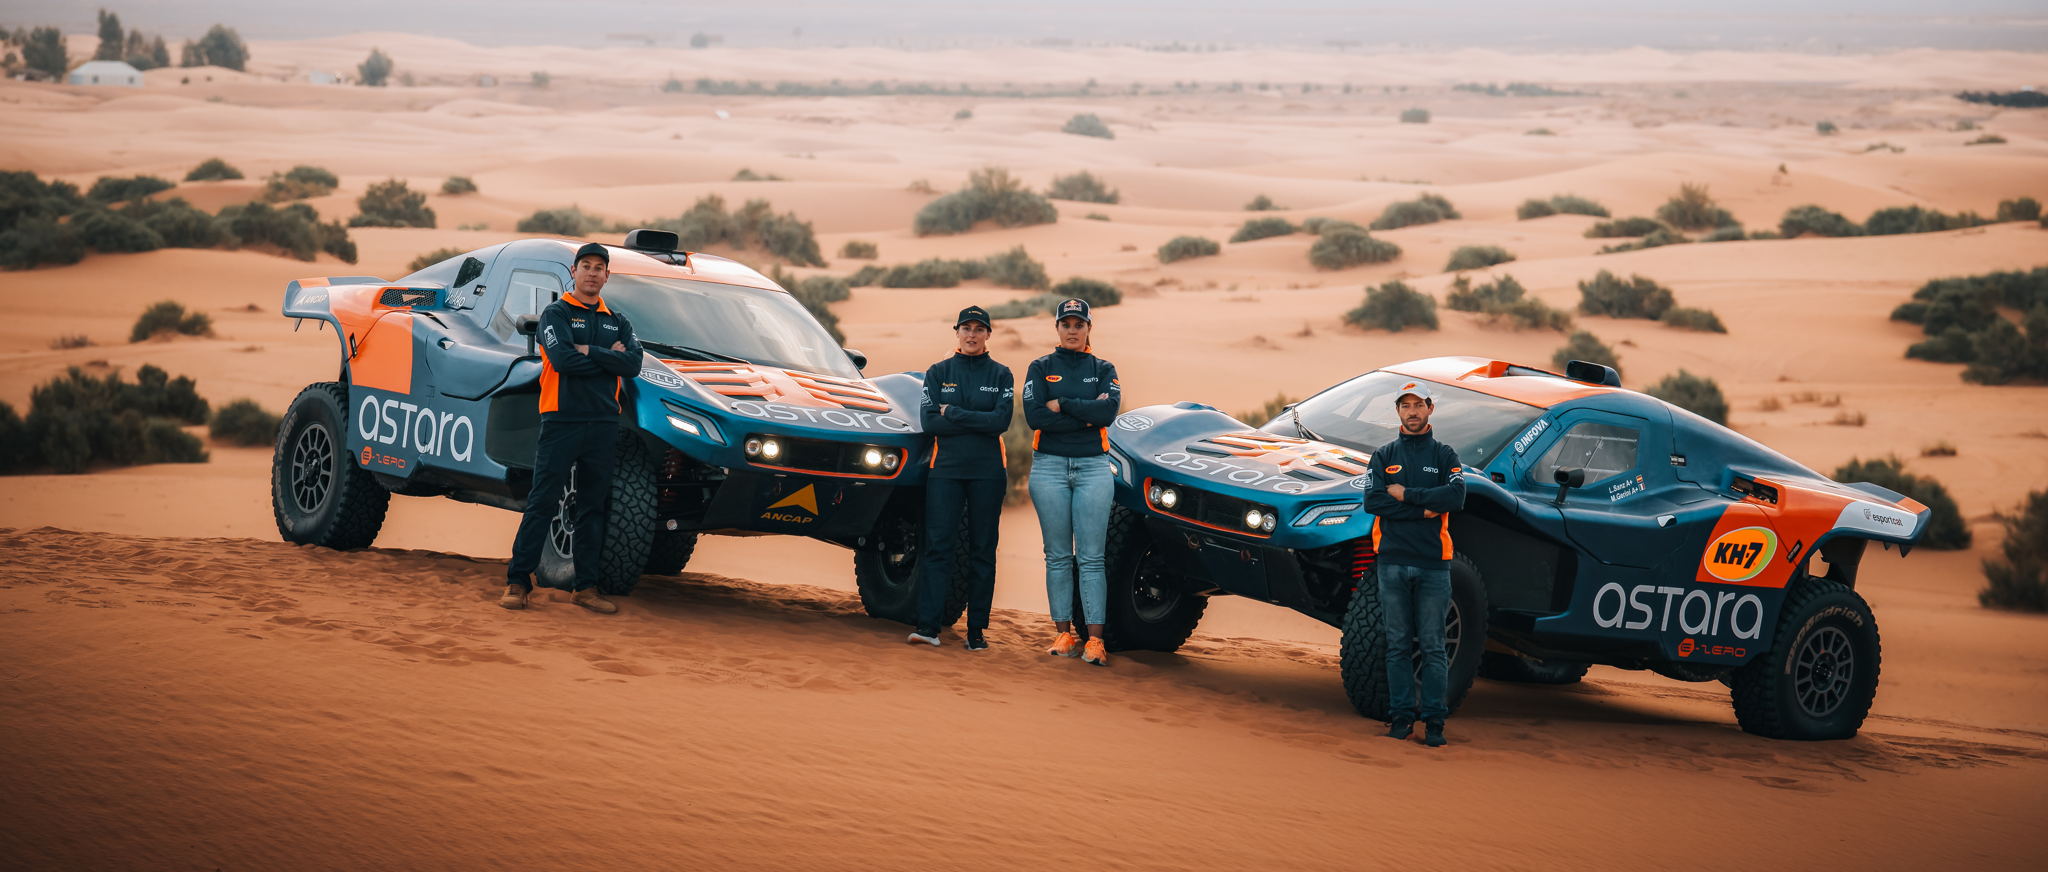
(1828, 25)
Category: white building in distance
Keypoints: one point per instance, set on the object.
(105, 73)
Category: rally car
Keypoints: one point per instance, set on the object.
(1600, 526)
(746, 417)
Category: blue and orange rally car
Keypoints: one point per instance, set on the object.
(1600, 526)
(746, 418)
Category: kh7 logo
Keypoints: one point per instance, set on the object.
(1738, 555)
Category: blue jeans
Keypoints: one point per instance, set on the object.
(1414, 602)
(1072, 496)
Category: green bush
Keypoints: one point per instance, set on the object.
(856, 249)
(1621, 227)
(2017, 578)
(169, 316)
(963, 114)
(1695, 394)
(1082, 187)
(1945, 528)
(108, 189)
(77, 420)
(23, 197)
(1802, 220)
(1560, 204)
(242, 422)
(430, 258)
(375, 70)
(1415, 116)
(1029, 307)
(1477, 257)
(113, 232)
(2022, 209)
(1703, 320)
(1016, 269)
(1987, 139)
(33, 242)
(1095, 291)
(1394, 306)
(1086, 124)
(178, 223)
(1530, 313)
(1534, 209)
(1914, 219)
(213, 169)
(1730, 233)
(1262, 203)
(748, 175)
(295, 230)
(298, 183)
(570, 221)
(1467, 297)
(932, 272)
(1662, 236)
(1693, 209)
(1582, 345)
(457, 185)
(2001, 355)
(1343, 249)
(1319, 225)
(391, 203)
(1263, 228)
(1825, 128)
(1953, 345)
(1184, 247)
(992, 194)
(1426, 209)
(1636, 297)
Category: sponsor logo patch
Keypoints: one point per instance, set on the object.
(804, 501)
(415, 428)
(1693, 610)
(1133, 422)
(1052, 379)
(1528, 436)
(1738, 555)
(1394, 469)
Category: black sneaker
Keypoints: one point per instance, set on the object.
(1400, 729)
(1434, 736)
(975, 642)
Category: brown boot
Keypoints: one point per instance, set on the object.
(515, 596)
(590, 599)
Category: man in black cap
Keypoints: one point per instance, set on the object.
(586, 349)
(967, 406)
(1414, 485)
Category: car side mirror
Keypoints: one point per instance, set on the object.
(860, 361)
(527, 326)
(1568, 479)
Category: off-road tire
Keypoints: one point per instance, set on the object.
(347, 505)
(1363, 650)
(1138, 620)
(887, 575)
(1784, 692)
(629, 527)
(1504, 666)
(670, 552)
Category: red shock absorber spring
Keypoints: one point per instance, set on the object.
(1362, 560)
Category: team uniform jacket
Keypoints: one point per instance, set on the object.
(1429, 474)
(579, 386)
(1075, 378)
(977, 393)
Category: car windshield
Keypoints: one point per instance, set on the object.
(750, 324)
(1360, 414)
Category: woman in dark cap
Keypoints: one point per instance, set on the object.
(967, 405)
(1070, 395)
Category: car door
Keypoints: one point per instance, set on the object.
(1632, 506)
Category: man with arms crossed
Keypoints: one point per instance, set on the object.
(1416, 483)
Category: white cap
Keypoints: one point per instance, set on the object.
(1419, 389)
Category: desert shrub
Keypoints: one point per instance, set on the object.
(1394, 306)
(1095, 216)
(1696, 394)
(932, 272)
(1342, 249)
(1582, 345)
(1263, 228)
(1634, 297)
(1530, 313)
(1826, 128)
(295, 230)
(1953, 345)
(1477, 257)
(107, 231)
(1467, 297)
(77, 420)
(242, 422)
(1802, 220)
(1016, 269)
(1095, 291)
(213, 169)
(1029, 307)
(2017, 577)
(390, 203)
(430, 258)
(37, 241)
(1319, 225)
(2000, 354)
(867, 275)
(69, 341)
(1560, 204)
(1415, 116)
(963, 114)
(748, 175)
(169, 316)
(1082, 187)
(1693, 209)
(1765, 234)
(178, 223)
(859, 250)
(1086, 124)
(1426, 209)
(569, 221)
(1539, 131)
(1729, 233)
(2021, 209)
(1621, 227)
(298, 183)
(457, 185)
(1914, 219)
(1271, 409)
(1662, 236)
(785, 236)
(1703, 320)
(1987, 139)
(1533, 208)
(1945, 528)
(375, 70)
(1184, 247)
(107, 189)
(992, 194)
(23, 197)
(1262, 203)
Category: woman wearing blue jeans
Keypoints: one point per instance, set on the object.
(1070, 395)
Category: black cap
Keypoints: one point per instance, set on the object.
(1072, 307)
(974, 313)
(592, 248)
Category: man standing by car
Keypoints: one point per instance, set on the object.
(967, 406)
(586, 349)
(1416, 483)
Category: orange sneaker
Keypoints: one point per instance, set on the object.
(1095, 653)
(1065, 646)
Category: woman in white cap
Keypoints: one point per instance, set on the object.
(1070, 396)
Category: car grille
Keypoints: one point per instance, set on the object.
(831, 458)
(1211, 509)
